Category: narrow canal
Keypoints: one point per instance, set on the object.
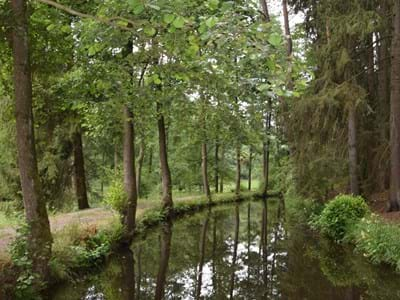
(245, 251)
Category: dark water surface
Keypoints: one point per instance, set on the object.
(245, 251)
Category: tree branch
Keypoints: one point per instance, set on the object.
(107, 21)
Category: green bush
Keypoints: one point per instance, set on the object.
(116, 196)
(339, 215)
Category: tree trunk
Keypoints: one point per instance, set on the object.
(79, 169)
(116, 150)
(264, 9)
(204, 170)
(216, 166)
(384, 97)
(250, 167)
(165, 249)
(151, 160)
(394, 198)
(353, 160)
(139, 166)
(266, 152)
(165, 172)
(287, 28)
(129, 173)
(221, 180)
(238, 170)
(39, 238)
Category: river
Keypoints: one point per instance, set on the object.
(240, 251)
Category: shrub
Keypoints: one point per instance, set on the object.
(339, 215)
(116, 196)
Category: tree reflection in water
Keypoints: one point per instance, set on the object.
(246, 251)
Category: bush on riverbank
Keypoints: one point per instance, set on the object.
(348, 219)
(340, 215)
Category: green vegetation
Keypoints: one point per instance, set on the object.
(348, 219)
(120, 104)
(340, 215)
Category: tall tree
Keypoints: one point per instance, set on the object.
(39, 238)
(394, 195)
(165, 171)
(129, 173)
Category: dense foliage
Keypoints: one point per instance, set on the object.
(340, 215)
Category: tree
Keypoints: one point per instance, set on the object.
(394, 198)
(39, 237)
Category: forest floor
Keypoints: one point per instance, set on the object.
(93, 217)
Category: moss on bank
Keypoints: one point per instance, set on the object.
(79, 250)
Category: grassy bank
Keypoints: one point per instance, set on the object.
(79, 249)
(348, 219)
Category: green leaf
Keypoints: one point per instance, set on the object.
(263, 87)
(50, 27)
(275, 39)
(211, 22)
(156, 79)
(168, 18)
(137, 6)
(179, 22)
(149, 31)
(138, 9)
(213, 4)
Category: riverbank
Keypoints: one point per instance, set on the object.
(80, 247)
(346, 219)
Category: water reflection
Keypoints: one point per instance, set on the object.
(165, 249)
(246, 251)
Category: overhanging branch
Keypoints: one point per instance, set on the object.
(112, 21)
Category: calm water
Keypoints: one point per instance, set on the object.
(245, 251)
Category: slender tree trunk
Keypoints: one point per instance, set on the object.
(116, 150)
(221, 180)
(39, 238)
(204, 170)
(353, 160)
(238, 170)
(129, 173)
(250, 167)
(264, 9)
(79, 169)
(266, 153)
(165, 172)
(165, 249)
(216, 166)
(394, 198)
(287, 28)
(204, 152)
(140, 166)
(151, 160)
